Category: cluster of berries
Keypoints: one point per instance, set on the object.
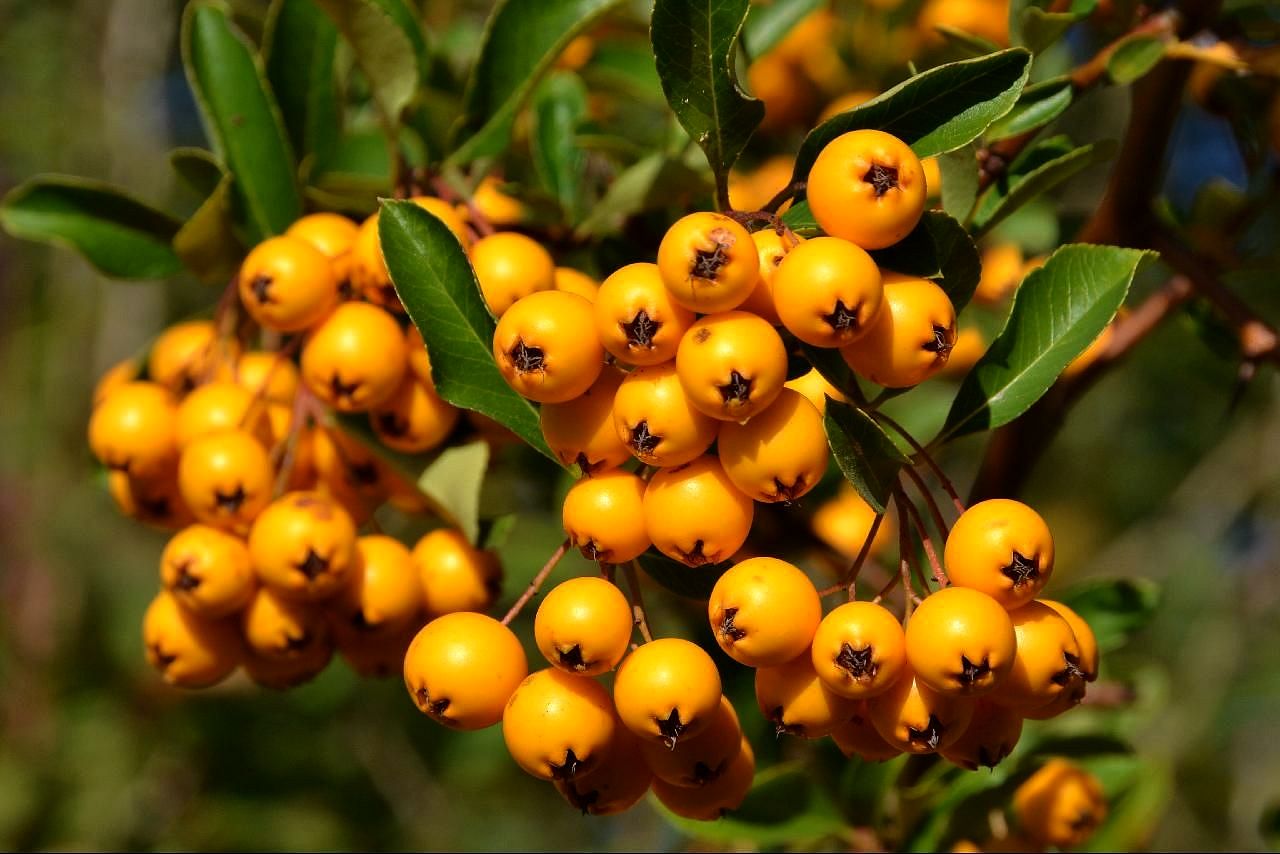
(1060, 806)
(237, 451)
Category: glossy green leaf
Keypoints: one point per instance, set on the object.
(935, 111)
(1134, 57)
(938, 248)
(198, 168)
(692, 582)
(1040, 104)
(559, 106)
(627, 195)
(769, 23)
(966, 43)
(694, 43)
(119, 235)
(1041, 28)
(522, 40)
(1114, 608)
(299, 50)
(799, 218)
(829, 363)
(207, 242)
(869, 459)
(453, 481)
(1039, 170)
(1058, 310)
(495, 532)
(388, 45)
(625, 68)
(439, 290)
(959, 171)
(242, 120)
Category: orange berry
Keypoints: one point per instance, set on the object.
(414, 419)
(188, 353)
(154, 500)
(990, 738)
(798, 702)
(218, 406)
(1047, 664)
(859, 650)
(268, 375)
(827, 292)
(694, 513)
(462, 668)
(911, 337)
(510, 267)
(576, 282)
(584, 626)
(764, 611)
(226, 479)
(189, 651)
(780, 454)
(557, 726)
(382, 594)
(708, 262)
(844, 523)
(867, 187)
(960, 641)
(499, 208)
(1060, 805)
(134, 431)
(280, 628)
(119, 374)
(1002, 271)
(667, 690)
(615, 784)
(732, 365)
(208, 571)
(581, 432)
(604, 517)
(546, 347)
(1002, 548)
(281, 674)
(816, 389)
(304, 546)
(857, 737)
(722, 795)
(656, 421)
(288, 285)
(355, 359)
(916, 719)
(636, 317)
(702, 759)
(771, 248)
(1084, 637)
(330, 233)
(455, 575)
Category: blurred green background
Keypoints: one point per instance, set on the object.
(1153, 475)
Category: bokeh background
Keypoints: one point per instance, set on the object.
(1156, 473)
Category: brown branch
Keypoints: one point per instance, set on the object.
(638, 614)
(861, 559)
(536, 584)
(909, 597)
(939, 574)
(788, 192)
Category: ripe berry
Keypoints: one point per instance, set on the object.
(916, 719)
(1002, 548)
(694, 513)
(667, 690)
(722, 795)
(708, 262)
(827, 292)
(276, 627)
(557, 725)
(153, 501)
(134, 431)
(797, 702)
(355, 359)
(771, 248)
(960, 641)
(702, 759)
(859, 650)
(414, 419)
(1002, 270)
(547, 348)
(188, 650)
(304, 545)
(780, 454)
(867, 187)
(186, 354)
(268, 375)
(288, 285)
(218, 406)
(604, 517)
(349, 472)
(584, 626)
(1060, 805)
(496, 206)
(331, 234)
(225, 478)
(764, 612)
(1047, 664)
(455, 575)
(462, 668)
(1084, 637)
(989, 739)
(208, 571)
(816, 389)
(281, 674)
(654, 418)
(732, 365)
(382, 594)
(576, 282)
(857, 737)
(910, 339)
(615, 784)
(580, 431)
(509, 267)
(119, 374)
(636, 317)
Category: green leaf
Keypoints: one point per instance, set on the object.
(1041, 28)
(694, 42)
(869, 459)
(1040, 104)
(438, 288)
(769, 23)
(1038, 170)
(454, 480)
(1059, 309)
(522, 40)
(627, 69)
(799, 218)
(119, 235)
(199, 169)
(558, 108)
(207, 242)
(936, 111)
(389, 48)
(1113, 608)
(1134, 57)
(965, 42)
(829, 363)
(937, 248)
(495, 532)
(959, 171)
(688, 581)
(242, 120)
(786, 807)
(627, 195)
(299, 49)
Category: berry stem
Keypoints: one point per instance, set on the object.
(475, 218)
(861, 559)
(637, 601)
(925, 456)
(909, 597)
(939, 574)
(282, 355)
(787, 192)
(305, 409)
(536, 584)
(934, 510)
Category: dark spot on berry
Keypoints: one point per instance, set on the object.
(843, 317)
(858, 663)
(592, 551)
(882, 178)
(260, 287)
(185, 580)
(229, 502)
(493, 587)
(434, 708)
(701, 336)
(119, 465)
(391, 424)
(788, 493)
(346, 290)
(929, 737)
(728, 629)
(1023, 570)
(707, 265)
(527, 359)
(737, 390)
(1084, 820)
(572, 658)
(566, 770)
(671, 728)
(341, 390)
(970, 673)
(640, 331)
(642, 441)
(163, 659)
(1070, 672)
(313, 565)
(297, 643)
(695, 557)
(941, 343)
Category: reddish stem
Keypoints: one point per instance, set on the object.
(536, 584)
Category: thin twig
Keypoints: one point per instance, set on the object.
(934, 510)
(637, 602)
(909, 597)
(536, 584)
(863, 552)
(939, 574)
(787, 192)
(925, 457)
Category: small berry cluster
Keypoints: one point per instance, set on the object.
(1060, 806)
